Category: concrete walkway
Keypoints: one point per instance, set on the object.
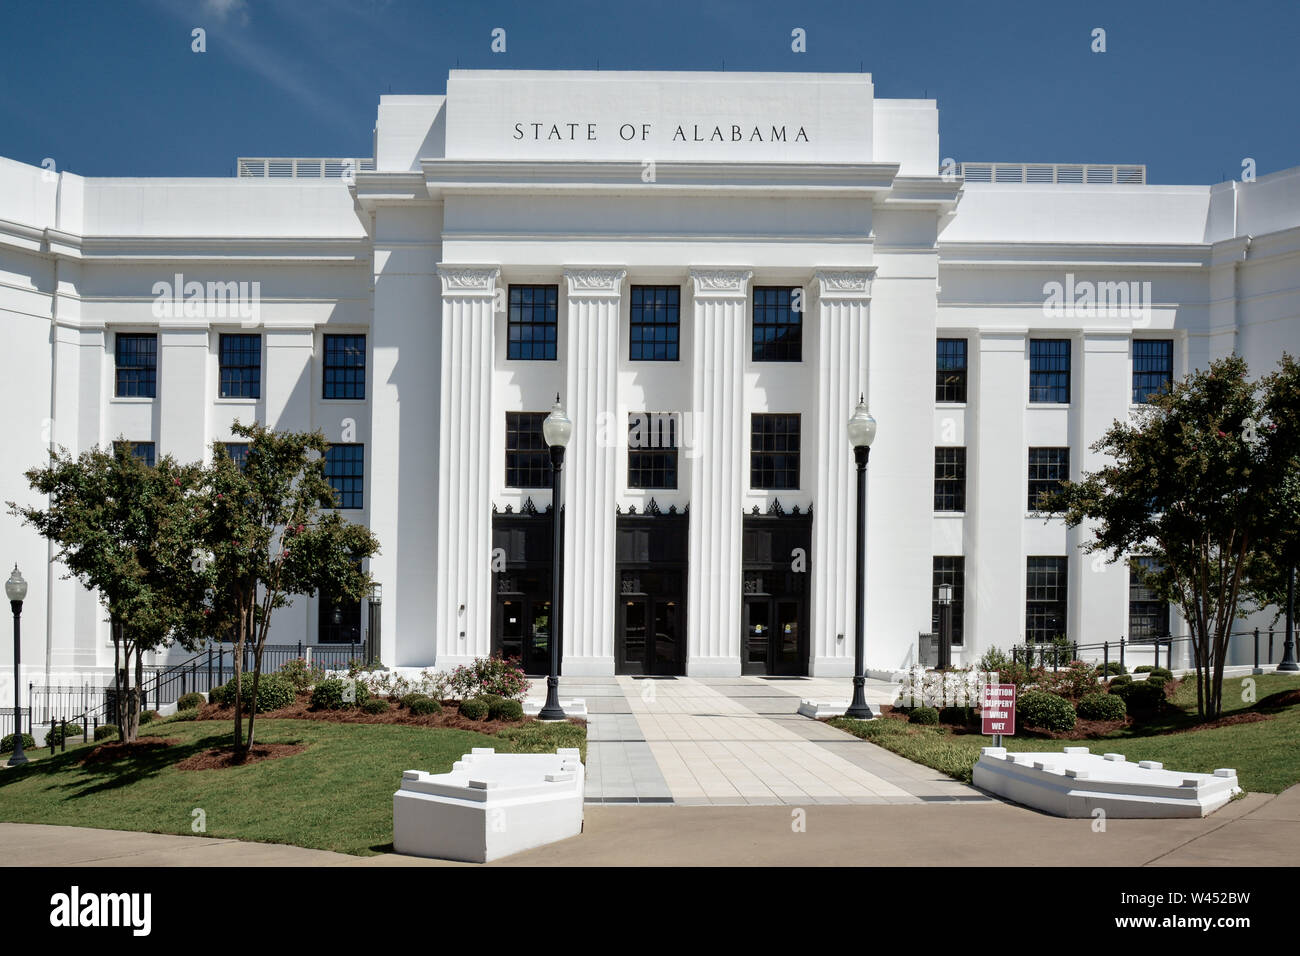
(738, 742)
(1259, 830)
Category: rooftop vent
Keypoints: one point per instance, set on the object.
(1052, 173)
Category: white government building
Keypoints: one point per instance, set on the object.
(708, 268)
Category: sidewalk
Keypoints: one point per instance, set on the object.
(1260, 830)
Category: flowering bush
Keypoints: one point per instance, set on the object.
(301, 675)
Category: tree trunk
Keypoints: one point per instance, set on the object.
(239, 673)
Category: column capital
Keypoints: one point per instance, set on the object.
(468, 280)
(594, 281)
(721, 283)
(844, 283)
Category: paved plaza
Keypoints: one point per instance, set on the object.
(738, 741)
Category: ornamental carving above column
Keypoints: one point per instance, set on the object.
(844, 283)
(589, 282)
(721, 282)
(469, 280)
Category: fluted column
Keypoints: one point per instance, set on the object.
(843, 310)
(463, 606)
(718, 470)
(591, 469)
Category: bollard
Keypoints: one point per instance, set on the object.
(1121, 653)
(1270, 645)
(1105, 657)
(1258, 669)
(63, 737)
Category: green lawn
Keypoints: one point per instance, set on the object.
(1264, 754)
(335, 795)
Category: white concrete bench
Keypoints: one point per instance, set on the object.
(1076, 782)
(490, 805)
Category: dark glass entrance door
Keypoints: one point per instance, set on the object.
(650, 638)
(773, 635)
(522, 629)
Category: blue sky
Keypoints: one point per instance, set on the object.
(112, 88)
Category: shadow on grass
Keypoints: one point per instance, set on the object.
(104, 776)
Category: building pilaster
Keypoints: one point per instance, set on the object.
(718, 470)
(843, 313)
(591, 468)
(463, 621)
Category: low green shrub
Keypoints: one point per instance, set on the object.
(190, 713)
(963, 716)
(1164, 672)
(425, 706)
(1112, 667)
(506, 710)
(190, 700)
(1157, 680)
(492, 700)
(301, 675)
(473, 709)
(56, 733)
(375, 705)
(994, 660)
(148, 716)
(7, 745)
(923, 715)
(1143, 697)
(104, 731)
(335, 693)
(1102, 707)
(412, 697)
(1117, 682)
(273, 692)
(1038, 708)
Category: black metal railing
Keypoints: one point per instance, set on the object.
(7, 720)
(1255, 648)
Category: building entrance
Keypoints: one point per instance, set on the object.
(774, 618)
(650, 635)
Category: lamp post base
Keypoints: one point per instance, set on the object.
(19, 758)
(552, 710)
(859, 709)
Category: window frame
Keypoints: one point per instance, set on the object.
(655, 458)
(1062, 462)
(1060, 570)
(149, 372)
(955, 482)
(943, 377)
(223, 368)
(343, 496)
(672, 341)
(759, 457)
(351, 382)
(529, 468)
(956, 576)
(550, 307)
(1168, 375)
(790, 343)
(1046, 393)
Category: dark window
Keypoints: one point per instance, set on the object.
(238, 453)
(950, 570)
(347, 630)
(1048, 467)
(528, 459)
(345, 366)
(950, 371)
(654, 333)
(137, 365)
(778, 324)
(140, 449)
(1049, 370)
(651, 450)
(531, 330)
(1148, 614)
(345, 471)
(950, 479)
(1045, 598)
(1153, 368)
(241, 366)
(774, 452)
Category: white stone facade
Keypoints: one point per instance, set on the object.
(596, 183)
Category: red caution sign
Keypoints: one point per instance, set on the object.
(998, 709)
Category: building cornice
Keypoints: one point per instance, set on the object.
(1020, 255)
(455, 177)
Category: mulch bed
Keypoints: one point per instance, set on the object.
(117, 750)
(301, 710)
(220, 758)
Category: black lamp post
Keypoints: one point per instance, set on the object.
(862, 432)
(945, 626)
(556, 429)
(16, 591)
(374, 608)
(1288, 648)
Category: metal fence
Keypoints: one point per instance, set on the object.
(7, 720)
(166, 684)
(1257, 648)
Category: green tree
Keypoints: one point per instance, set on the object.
(1193, 482)
(273, 535)
(126, 531)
